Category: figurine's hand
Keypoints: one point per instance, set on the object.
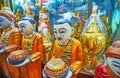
(27, 60)
(69, 74)
(2, 49)
(44, 75)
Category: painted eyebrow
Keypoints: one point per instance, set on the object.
(55, 29)
(62, 29)
(22, 24)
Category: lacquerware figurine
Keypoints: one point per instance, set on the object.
(29, 12)
(111, 67)
(18, 15)
(44, 29)
(66, 47)
(10, 41)
(32, 50)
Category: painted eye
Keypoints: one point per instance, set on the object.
(23, 26)
(55, 32)
(62, 31)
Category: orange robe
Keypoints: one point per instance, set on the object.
(12, 37)
(32, 45)
(70, 53)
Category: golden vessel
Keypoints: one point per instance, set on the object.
(94, 41)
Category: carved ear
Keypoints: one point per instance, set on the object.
(34, 25)
(12, 24)
(72, 31)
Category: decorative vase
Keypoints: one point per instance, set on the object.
(93, 39)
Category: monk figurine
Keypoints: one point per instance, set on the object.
(111, 67)
(10, 41)
(66, 47)
(29, 13)
(78, 25)
(32, 43)
(44, 29)
(109, 30)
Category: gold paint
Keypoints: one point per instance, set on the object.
(93, 41)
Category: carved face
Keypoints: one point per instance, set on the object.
(26, 27)
(62, 32)
(4, 22)
(42, 16)
(114, 64)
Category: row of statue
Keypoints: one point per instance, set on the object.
(24, 52)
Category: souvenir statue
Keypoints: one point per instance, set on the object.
(111, 67)
(44, 29)
(109, 30)
(43, 21)
(18, 15)
(66, 47)
(30, 56)
(78, 25)
(29, 13)
(10, 41)
(93, 39)
(115, 22)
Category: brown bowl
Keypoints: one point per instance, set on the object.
(17, 57)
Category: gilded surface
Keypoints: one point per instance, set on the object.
(93, 42)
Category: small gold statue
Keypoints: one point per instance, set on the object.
(29, 13)
(109, 30)
(44, 29)
(18, 15)
(78, 26)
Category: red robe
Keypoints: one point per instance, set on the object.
(104, 72)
